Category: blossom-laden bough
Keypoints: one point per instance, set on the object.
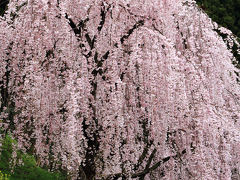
(120, 89)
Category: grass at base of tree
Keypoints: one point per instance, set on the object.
(24, 167)
(4, 176)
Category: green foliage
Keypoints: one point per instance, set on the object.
(6, 154)
(30, 171)
(25, 167)
(4, 176)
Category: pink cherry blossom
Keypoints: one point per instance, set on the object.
(120, 89)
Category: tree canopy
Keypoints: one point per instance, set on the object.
(120, 89)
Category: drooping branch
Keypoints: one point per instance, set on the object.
(77, 29)
(156, 165)
(146, 142)
(149, 162)
(103, 17)
(105, 56)
(148, 169)
(151, 158)
(156, 29)
(142, 157)
(130, 31)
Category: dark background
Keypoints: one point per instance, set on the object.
(224, 12)
(3, 6)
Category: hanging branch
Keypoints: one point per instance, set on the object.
(156, 165)
(142, 157)
(146, 142)
(77, 29)
(149, 163)
(147, 169)
(130, 31)
(103, 17)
